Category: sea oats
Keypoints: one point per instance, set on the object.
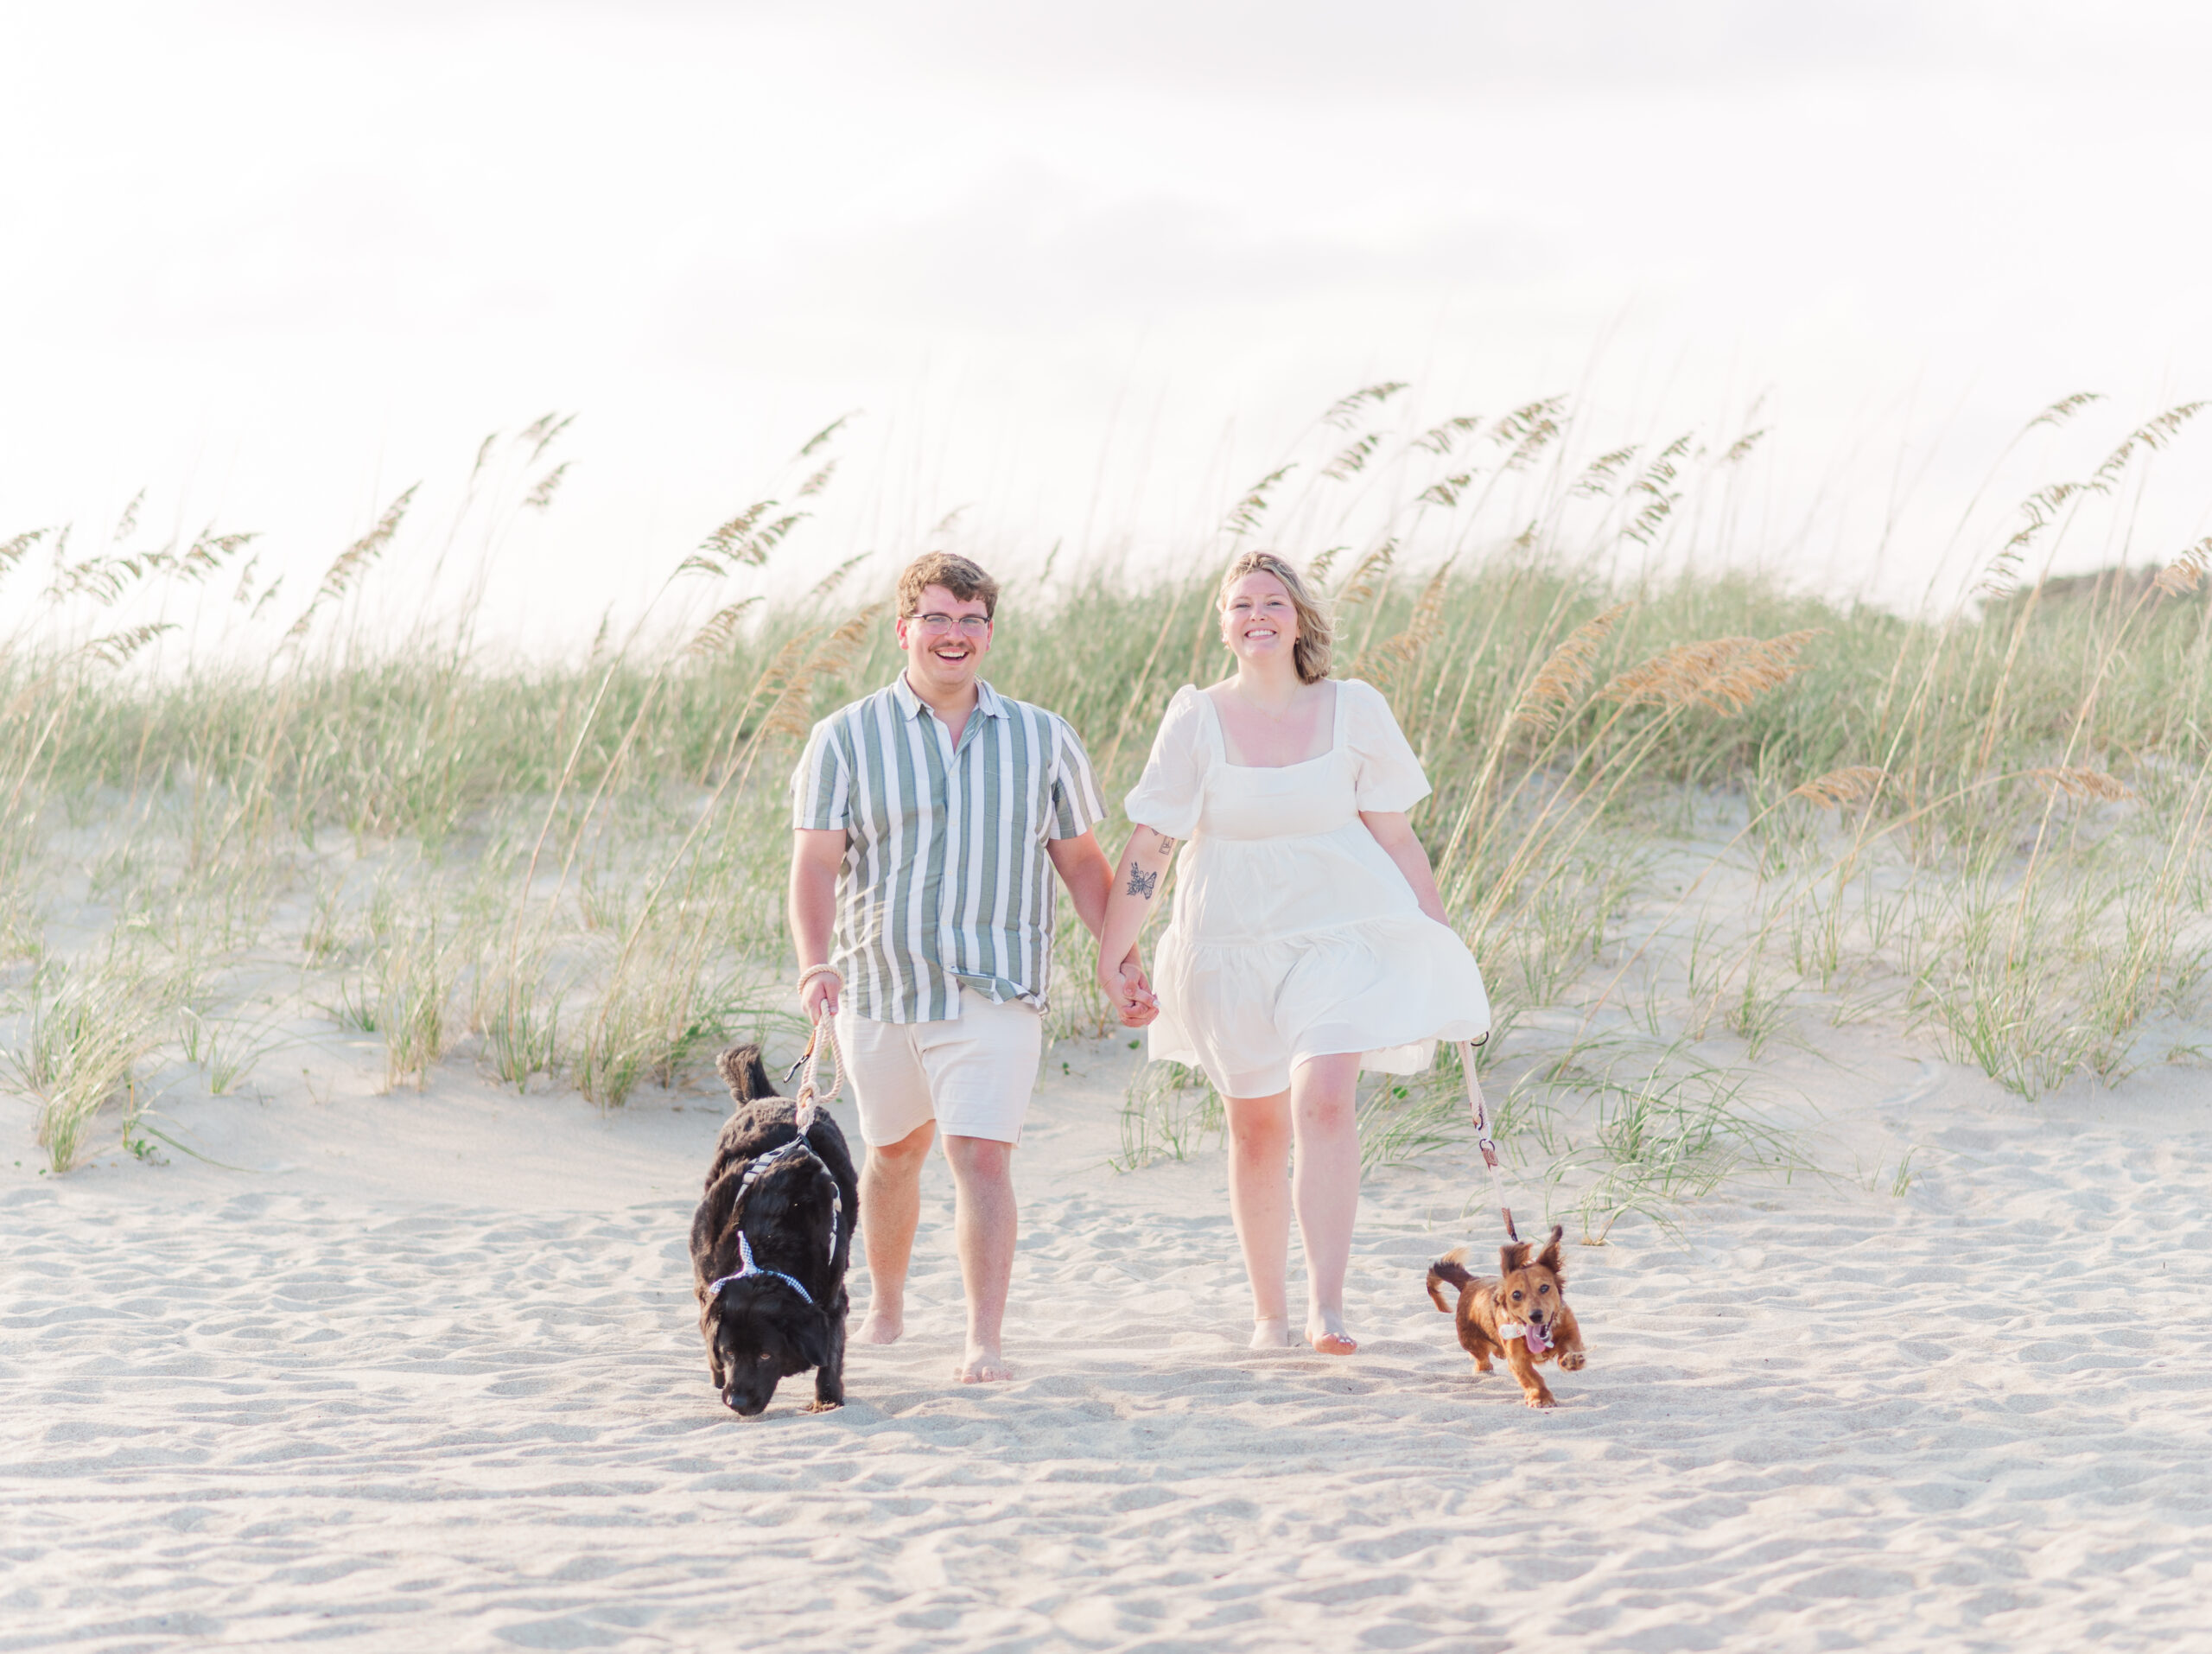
(2151, 436)
(792, 713)
(1564, 678)
(2078, 783)
(1445, 492)
(742, 542)
(1726, 674)
(541, 494)
(543, 432)
(1847, 786)
(716, 637)
(835, 577)
(14, 551)
(1533, 418)
(1353, 459)
(1599, 477)
(1674, 676)
(127, 524)
(1740, 449)
(2065, 408)
(1440, 439)
(806, 449)
(1360, 584)
(348, 565)
(1347, 409)
(2183, 573)
(1245, 516)
(1762, 666)
(1428, 617)
(1655, 483)
(116, 647)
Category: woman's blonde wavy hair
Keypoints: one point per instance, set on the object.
(1309, 653)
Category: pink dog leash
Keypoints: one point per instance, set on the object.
(1482, 1135)
(1537, 1340)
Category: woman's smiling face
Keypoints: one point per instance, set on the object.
(1258, 620)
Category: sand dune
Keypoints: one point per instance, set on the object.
(431, 1380)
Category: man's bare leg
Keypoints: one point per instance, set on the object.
(985, 1224)
(1259, 1203)
(891, 1208)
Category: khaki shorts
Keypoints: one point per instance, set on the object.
(972, 1073)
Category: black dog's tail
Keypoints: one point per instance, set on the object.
(1450, 1269)
(741, 1070)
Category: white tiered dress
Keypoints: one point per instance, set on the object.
(1294, 935)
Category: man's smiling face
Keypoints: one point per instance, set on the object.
(946, 641)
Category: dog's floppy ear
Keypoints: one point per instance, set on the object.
(741, 1070)
(1549, 1257)
(1511, 1256)
(811, 1337)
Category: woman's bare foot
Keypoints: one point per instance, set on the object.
(1324, 1331)
(1270, 1332)
(984, 1364)
(883, 1327)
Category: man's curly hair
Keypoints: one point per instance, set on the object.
(956, 574)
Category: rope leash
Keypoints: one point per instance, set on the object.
(1536, 1337)
(810, 1059)
(1482, 1135)
(808, 1103)
(811, 1096)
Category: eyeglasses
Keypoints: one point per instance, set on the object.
(968, 626)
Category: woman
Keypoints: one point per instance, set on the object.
(1308, 940)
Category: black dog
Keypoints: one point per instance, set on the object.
(769, 1254)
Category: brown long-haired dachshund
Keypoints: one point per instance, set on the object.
(1519, 1312)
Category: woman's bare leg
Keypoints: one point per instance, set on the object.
(1325, 1188)
(1259, 1201)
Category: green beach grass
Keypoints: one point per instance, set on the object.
(1678, 818)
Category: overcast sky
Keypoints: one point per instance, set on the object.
(1085, 269)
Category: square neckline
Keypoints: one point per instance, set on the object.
(1221, 733)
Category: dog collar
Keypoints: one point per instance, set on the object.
(745, 1256)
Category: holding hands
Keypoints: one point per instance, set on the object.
(1128, 904)
(1125, 985)
(1131, 992)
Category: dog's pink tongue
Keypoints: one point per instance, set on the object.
(1537, 1342)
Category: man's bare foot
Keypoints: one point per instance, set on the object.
(1324, 1331)
(1270, 1332)
(984, 1365)
(883, 1327)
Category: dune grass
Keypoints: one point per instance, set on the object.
(1680, 817)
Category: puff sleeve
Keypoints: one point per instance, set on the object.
(1387, 775)
(1170, 794)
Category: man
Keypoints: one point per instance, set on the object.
(929, 819)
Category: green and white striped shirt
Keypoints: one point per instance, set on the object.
(945, 879)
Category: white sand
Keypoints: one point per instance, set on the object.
(430, 1378)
